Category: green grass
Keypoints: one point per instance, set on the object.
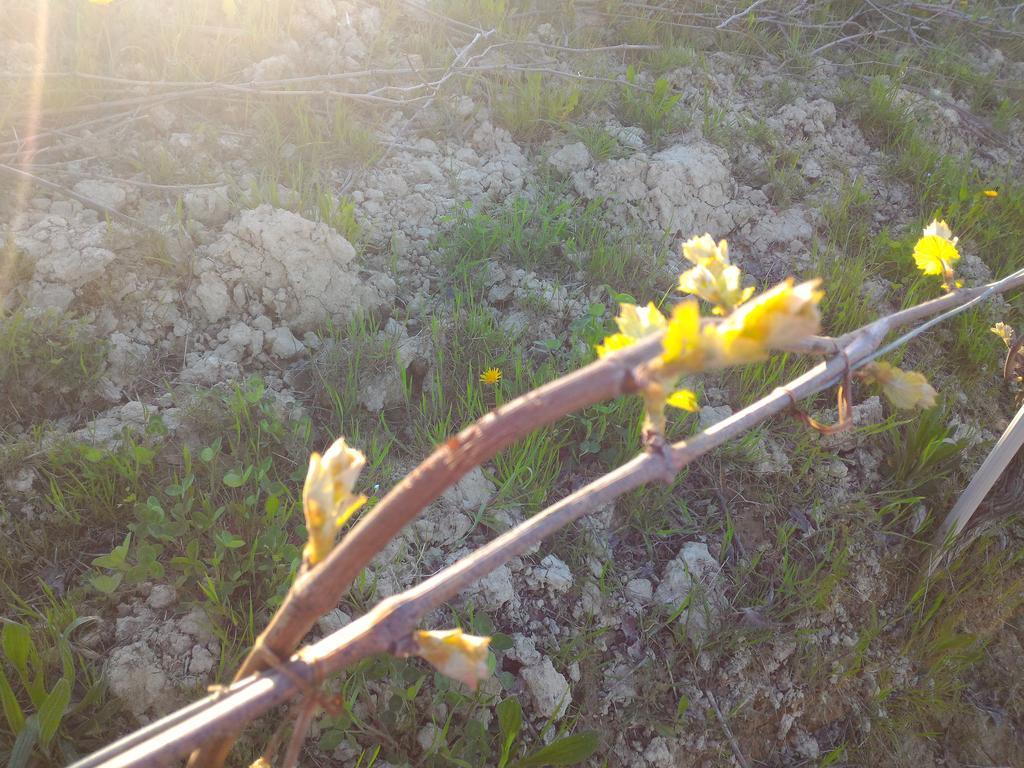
(555, 235)
(54, 703)
(51, 366)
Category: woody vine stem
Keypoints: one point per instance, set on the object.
(647, 358)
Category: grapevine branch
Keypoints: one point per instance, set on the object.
(213, 722)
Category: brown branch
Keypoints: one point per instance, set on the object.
(387, 627)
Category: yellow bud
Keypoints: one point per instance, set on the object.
(1004, 332)
(453, 653)
(712, 277)
(904, 389)
(327, 496)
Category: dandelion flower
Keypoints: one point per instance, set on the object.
(491, 376)
(991, 193)
(328, 500)
(453, 653)
(904, 389)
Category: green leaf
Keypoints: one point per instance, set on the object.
(93, 455)
(682, 707)
(233, 478)
(17, 643)
(566, 751)
(228, 540)
(52, 711)
(271, 505)
(21, 752)
(106, 583)
(12, 709)
(117, 557)
(510, 720)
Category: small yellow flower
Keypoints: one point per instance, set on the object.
(327, 497)
(491, 376)
(776, 318)
(904, 389)
(991, 193)
(712, 277)
(453, 653)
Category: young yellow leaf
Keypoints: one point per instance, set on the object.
(637, 322)
(712, 277)
(941, 229)
(904, 389)
(776, 318)
(614, 343)
(453, 653)
(935, 255)
(1004, 332)
(683, 337)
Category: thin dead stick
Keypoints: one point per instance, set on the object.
(737, 16)
(386, 628)
(733, 744)
(1009, 443)
(92, 204)
(460, 57)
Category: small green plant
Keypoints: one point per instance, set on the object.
(654, 111)
(52, 699)
(599, 143)
(531, 106)
(785, 181)
(922, 452)
(339, 214)
(565, 750)
(51, 362)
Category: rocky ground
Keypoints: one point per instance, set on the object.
(223, 281)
